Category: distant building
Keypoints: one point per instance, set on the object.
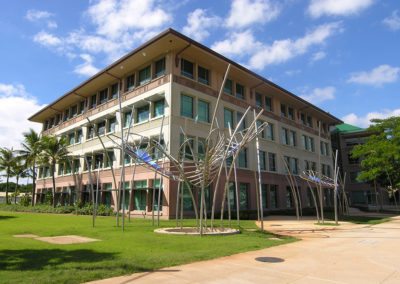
(173, 76)
(344, 138)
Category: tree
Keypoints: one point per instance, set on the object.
(53, 151)
(31, 151)
(6, 164)
(19, 170)
(380, 154)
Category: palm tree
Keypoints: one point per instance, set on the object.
(18, 169)
(30, 152)
(6, 164)
(53, 151)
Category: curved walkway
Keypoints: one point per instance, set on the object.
(344, 254)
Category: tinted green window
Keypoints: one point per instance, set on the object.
(145, 75)
(272, 162)
(140, 194)
(142, 114)
(243, 196)
(114, 91)
(110, 158)
(186, 106)
(201, 147)
(187, 68)
(93, 101)
(228, 118)
(127, 118)
(240, 91)
(268, 103)
(203, 111)
(187, 199)
(160, 67)
(242, 125)
(258, 100)
(103, 96)
(243, 158)
(269, 131)
(130, 82)
(262, 155)
(203, 75)
(159, 108)
(156, 187)
(228, 87)
(112, 122)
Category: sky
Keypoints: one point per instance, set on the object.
(340, 55)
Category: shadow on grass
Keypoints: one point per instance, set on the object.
(6, 217)
(32, 259)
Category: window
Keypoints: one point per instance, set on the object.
(60, 169)
(112, 122)
(242, 125)
(79, 136)
(88, 162)
(268, 104)
(203, 111)
(187, 106)
(71, 138)
(240, 91)
(98, 161)
(158, 188)
(203, 75)
(243, 195)
(272, 162)
(110, 158)
(187, 199)
(262, 155)
(101, 128)
(76, 165)
(66, 114)
(288, 137)
(260, 130)
(159, 108)
(264, 189)
(326, 170)
(160, 67)
(90, 132)
(258, 100)
(283, 110)
(127, 159)
(130, 82)
(289, 197)
(81, 107)
(243, 158)
(273, 195)
(145, 75)
(124, 200)
(309, 121)
(353, 177)
(74, 111)
(309, 165)
(103, 96)
(228, 118)
(140, 187)
(93, 101)
(201, 147)
(291, 164)
(291, 113)
(188, 149)
(187, 68)
(228, 87)
(308, 143)
(324, 148)
(142, 114)
(269, 131)
(303, 119)
(127, 118)
(114, 91)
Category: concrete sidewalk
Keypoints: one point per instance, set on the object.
(344, 254)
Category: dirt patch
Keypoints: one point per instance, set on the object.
(66, 240)
(28, 236)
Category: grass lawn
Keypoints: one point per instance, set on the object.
(137, 249)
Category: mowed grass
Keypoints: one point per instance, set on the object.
(137, 249)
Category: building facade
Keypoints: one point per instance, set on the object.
(344, 138)
(174, 81)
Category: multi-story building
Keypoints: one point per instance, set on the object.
(344, 138)
(174, 80)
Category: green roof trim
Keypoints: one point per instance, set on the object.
(347, 128)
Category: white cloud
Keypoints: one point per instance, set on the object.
(35, 15)
(377, 76)
(47, 39)
(283, 50)
(38, 16)
(113, 18)
(197, 24)
(244, 13)
(318, 56)
(238, 43)
(318, 8)
(393, 21)
(319, 95)
(86, 68)
(16, 105)
(365, 120)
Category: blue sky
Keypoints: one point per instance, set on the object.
(341, 55)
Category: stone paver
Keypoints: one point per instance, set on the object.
(344, 254)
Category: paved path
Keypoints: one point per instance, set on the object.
(344, 254)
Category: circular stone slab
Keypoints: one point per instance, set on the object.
(192, 231)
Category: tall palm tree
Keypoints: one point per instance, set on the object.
(30, 152)
(53, 151)
(6, 164)
(19, 170)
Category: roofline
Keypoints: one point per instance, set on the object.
(207, 49)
